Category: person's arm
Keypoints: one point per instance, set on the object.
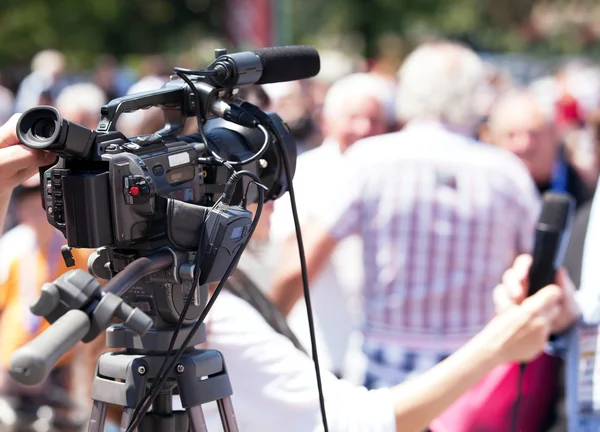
(17, 163)
(319, 244)
(519, 334)
(275, 387)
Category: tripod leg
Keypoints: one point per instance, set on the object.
(197, 421)
(227, 414)
(126, 418)
(98, 417)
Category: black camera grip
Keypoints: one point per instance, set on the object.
(166, 96)
(31, 364)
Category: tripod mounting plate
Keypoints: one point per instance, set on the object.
(154, 341)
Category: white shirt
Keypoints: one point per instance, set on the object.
(588, 295)
(274, 384)
(336, 291)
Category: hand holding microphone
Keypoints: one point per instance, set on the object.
(532, 273)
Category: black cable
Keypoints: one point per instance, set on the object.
(182, 73)
(202, 72)
(199, 117)
(159, 381)
(515, 412)
(311, 326)
(188, 302)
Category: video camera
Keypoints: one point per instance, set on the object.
(110, 190)
(165, 195)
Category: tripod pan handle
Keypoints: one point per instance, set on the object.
(32, 363)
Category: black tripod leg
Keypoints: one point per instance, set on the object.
(227, 414)
(98, 417)
(197, 421)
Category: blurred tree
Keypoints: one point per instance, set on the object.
(491, 25)
(84, 29)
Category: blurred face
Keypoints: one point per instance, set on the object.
(523, 130)
(359, 118)
(80, 117)
(32, 214)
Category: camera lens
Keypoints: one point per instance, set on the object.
(39, 128)
(44, 128)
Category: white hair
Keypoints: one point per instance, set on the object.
(87, 98)
(131, 123)
(519, 98)
(48, 61)
(360, 85)
(440, 81)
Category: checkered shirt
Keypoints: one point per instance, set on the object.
(441, 216)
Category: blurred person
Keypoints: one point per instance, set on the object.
(335, 65)
(47, 75)
(519, 124)
(292, 101)
(581, 245)
(143, 122)
(357, 106)
(7, 100)
(111, 77)
(29, 269)
(441, 217)
(256, 95)
(81, 104)
(581, 149)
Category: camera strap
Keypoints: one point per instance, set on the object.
(242, 286)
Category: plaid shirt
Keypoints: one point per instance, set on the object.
(441, 216)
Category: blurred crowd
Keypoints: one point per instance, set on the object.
(550, 125)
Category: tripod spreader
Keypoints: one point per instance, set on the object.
(79, 310)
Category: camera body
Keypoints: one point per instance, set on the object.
(110, 190)
(119, 206)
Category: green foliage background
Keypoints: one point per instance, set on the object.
(128, 28)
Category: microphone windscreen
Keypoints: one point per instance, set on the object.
(557, 209)
(288, 63)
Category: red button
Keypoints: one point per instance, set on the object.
(134, 190)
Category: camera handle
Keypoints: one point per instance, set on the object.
(175, 98)
(78, 309)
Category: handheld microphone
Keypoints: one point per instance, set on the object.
(551, 239)
(552, 235)
(266, 65)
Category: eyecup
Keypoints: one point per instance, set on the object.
(40, 128)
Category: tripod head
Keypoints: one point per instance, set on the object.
(80, 310)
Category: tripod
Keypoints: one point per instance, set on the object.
(122, 378)
(79, 310)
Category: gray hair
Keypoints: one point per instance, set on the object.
(360, 85)
(85, 97)
(441, 81)
(519, 97)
